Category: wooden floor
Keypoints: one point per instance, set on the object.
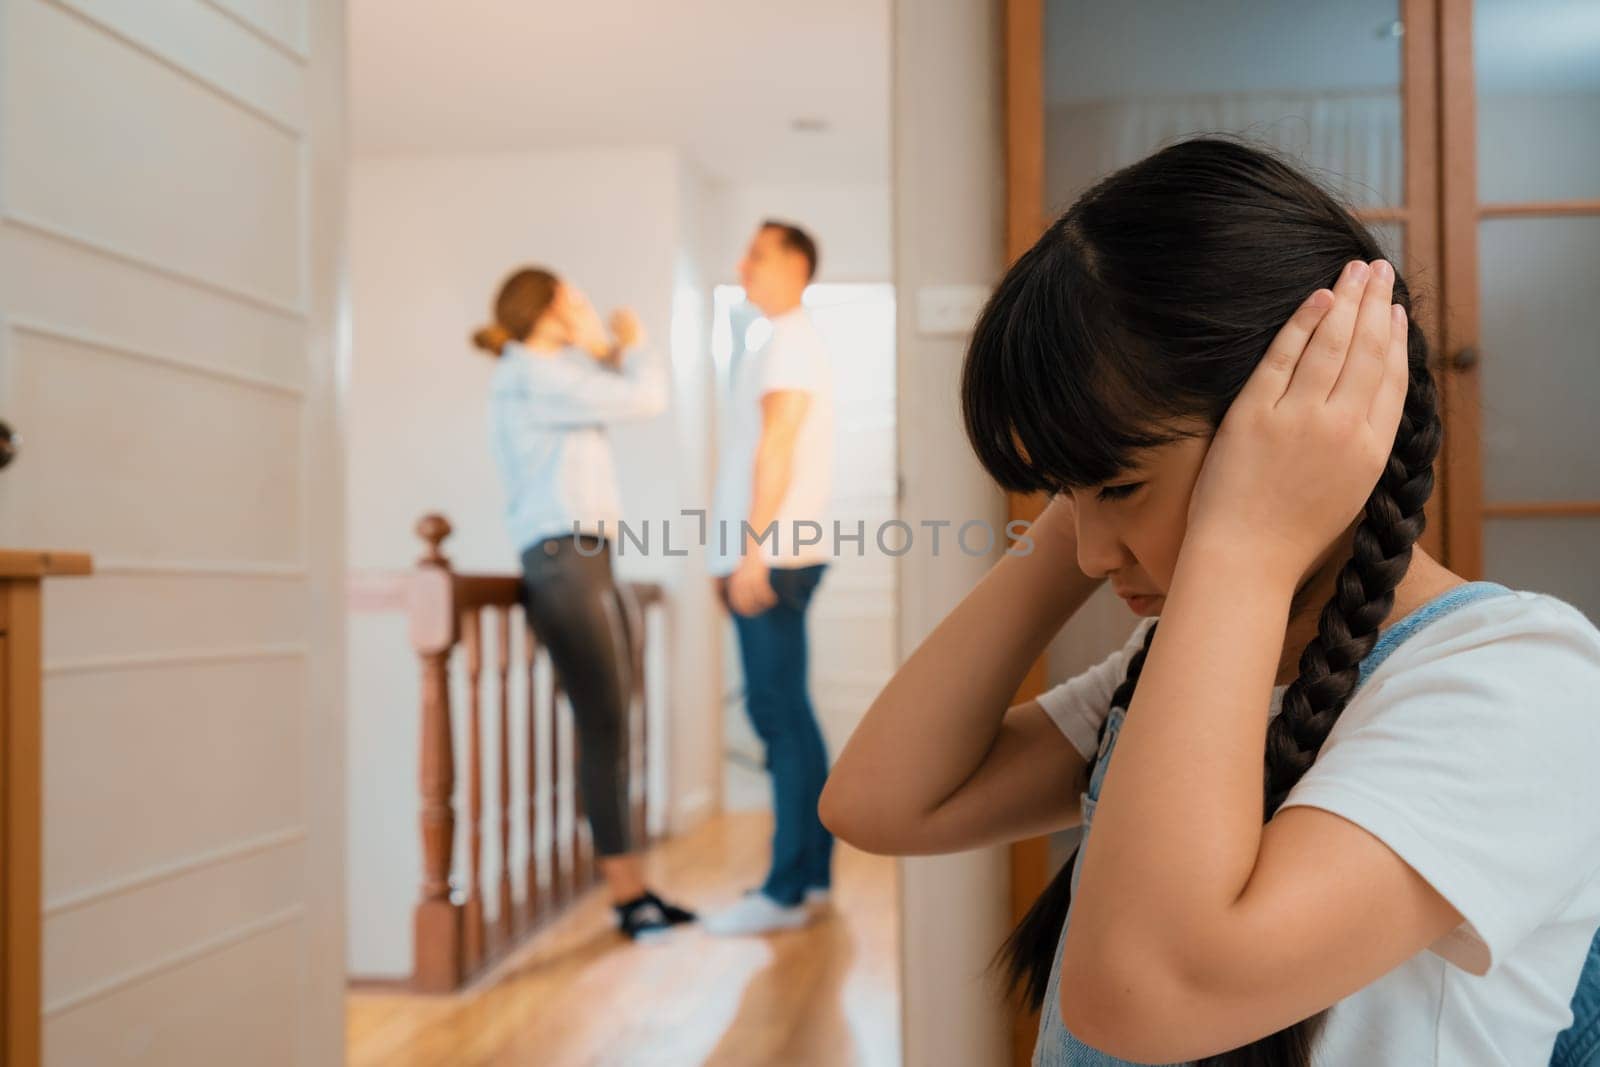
(581, 996)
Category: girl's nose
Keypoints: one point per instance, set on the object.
(1099, 550)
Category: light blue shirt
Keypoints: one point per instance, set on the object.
(548, 414)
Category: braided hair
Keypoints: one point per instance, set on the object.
(1140, 312)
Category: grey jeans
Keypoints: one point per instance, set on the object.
(577, 612)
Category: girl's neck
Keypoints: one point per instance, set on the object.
(1424, 579)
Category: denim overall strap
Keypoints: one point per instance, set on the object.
(1056, 1047)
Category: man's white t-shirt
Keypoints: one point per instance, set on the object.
(794, 357)
(1473, 752)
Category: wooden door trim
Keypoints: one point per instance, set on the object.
(1542, 509)
(1420, 156)
(1024, 123)
(1023, 71)
(1401, 214)
(1458, 275)
(1539, 209)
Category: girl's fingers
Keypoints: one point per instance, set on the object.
(1369, 345)
(1384, 414)
(1324, 358)
(1272, 375)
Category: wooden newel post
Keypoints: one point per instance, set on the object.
(437, 957)
(21, 829)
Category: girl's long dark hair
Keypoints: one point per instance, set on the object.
(1140, 313)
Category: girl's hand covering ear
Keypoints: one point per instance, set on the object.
(1306, 440)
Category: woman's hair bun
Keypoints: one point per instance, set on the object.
(492, 338)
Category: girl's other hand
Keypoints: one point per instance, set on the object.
(1306, 440)
(625, 327)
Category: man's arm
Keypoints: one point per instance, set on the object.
(783, 412)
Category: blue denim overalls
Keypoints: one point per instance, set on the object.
(1579, 1046)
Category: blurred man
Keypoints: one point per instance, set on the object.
(768, 549)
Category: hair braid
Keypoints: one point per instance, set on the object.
(1363, 596)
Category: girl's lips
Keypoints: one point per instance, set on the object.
(1142, 605)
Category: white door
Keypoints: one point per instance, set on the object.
(170, 182)
(852, 622)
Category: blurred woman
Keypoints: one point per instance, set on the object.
(559, 383)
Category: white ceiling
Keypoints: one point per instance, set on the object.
(720, 79)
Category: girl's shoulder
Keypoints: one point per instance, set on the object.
(1507, 629)
(1507, 669)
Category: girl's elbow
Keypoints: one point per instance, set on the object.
(1099, 1014)
(1123, 1004)
(834, 811)
(842, 816)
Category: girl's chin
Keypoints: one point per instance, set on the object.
(1145, 605)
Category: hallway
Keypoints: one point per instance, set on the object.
(579, 996)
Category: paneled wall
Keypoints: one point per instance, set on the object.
(170, 282)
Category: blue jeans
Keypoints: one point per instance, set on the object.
(773, 648)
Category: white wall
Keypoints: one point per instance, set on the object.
(695, 650)
(948, 229)
(849, 221)
(171, 203)
(431, 240)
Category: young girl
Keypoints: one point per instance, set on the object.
(559, 383)
(1353, 816)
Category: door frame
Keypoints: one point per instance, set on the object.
(1461, 213)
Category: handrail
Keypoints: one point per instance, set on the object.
(454, 940)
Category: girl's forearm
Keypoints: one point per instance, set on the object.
(939, 715)
(1178, 826)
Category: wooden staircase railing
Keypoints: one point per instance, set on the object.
(20, 827)
(454, 941)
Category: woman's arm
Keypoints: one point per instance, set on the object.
(940, 762)
(567, 394)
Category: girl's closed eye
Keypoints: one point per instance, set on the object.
(1118, 492)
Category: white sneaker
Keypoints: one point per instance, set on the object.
(755, 913)
(817, 898)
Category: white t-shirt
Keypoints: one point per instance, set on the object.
(793, 358)
(1473, 752)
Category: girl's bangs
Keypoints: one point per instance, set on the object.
(1046, 406)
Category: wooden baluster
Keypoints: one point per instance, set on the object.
(638, 634)
(582, 867)
(530, 654)
(504, 665)
(558, 864)
(472, 912)
(437, 951)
